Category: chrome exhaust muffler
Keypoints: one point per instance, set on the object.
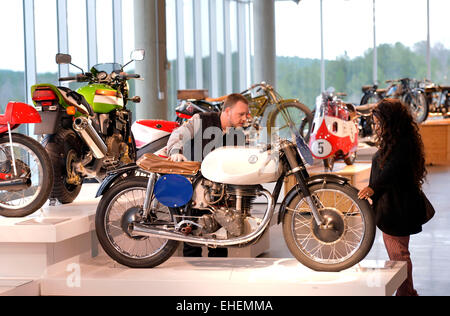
(140, 230)
(83, 126)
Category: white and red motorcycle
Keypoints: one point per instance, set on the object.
(151, 136)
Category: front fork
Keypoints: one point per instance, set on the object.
(298, 171)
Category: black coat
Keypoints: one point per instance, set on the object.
(398, 204)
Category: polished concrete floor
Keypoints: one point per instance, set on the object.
(430, 250)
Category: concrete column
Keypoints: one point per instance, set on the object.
(265, 47)
(150, 34)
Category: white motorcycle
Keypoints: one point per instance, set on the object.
(141, 221)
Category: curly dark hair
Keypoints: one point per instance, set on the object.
(398, 125)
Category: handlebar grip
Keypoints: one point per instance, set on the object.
(68, 79)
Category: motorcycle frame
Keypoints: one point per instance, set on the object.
(293, 165)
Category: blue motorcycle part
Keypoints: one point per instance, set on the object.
(173, 190)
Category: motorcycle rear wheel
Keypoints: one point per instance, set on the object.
(340, 247)
(63, 150)
(121, 206)
(28, 151)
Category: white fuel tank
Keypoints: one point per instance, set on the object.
(241, 166)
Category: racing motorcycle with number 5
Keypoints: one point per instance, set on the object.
(140, 222)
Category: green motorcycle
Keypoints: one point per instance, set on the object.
(87, 132)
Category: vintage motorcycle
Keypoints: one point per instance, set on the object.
(437, 96)
(334, 134)
(88, 131)
(26, 174)
(140, 222)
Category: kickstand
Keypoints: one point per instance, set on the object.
(52, 202)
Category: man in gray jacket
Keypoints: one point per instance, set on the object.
(202, 134)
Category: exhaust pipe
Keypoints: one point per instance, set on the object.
(140, 230)
(15, 185)
(83, 126)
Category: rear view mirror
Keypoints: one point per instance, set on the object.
(138, 54)
(63, 59)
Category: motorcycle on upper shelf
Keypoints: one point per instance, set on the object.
(26, 174)
(334, 134)
(87, 131)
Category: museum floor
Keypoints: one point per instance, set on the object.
(430, 250)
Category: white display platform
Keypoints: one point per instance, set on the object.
(29, 245)
(220, 277)
(17, 287)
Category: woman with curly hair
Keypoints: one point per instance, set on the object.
(398, 172)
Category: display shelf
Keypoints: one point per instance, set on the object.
(29, 245)
(18, 287)
(221, 277)
(436, 140)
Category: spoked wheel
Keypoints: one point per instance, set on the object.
(33, 167)
(344, 240)
(418, 105)
(294, 112)
(119, 208)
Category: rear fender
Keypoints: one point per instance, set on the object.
(112, 178)
(318, 179)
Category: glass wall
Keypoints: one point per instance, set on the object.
(348, 44)
(46, 34)
(104, 22)
(12, 59)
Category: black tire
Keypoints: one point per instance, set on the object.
(353, 216)
(45, 179)
(328, 164)
(111, 246)
(350, 159)
(303, 122)
(370, 98)
(63, 149)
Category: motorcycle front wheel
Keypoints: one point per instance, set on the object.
(418, 105)
(32, 162)
(343, 242)
(293, 112)
(118, 209)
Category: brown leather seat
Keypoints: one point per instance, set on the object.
(156, 164)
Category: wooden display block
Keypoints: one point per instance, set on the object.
(436, 140)
(358, 174)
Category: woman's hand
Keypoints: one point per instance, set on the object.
(366, 193)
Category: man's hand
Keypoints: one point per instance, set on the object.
(366, 193)
(177, 158)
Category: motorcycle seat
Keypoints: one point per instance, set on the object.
(156, 164)
(77, 100)
(220, 99)
(367, 88)
(366, 108)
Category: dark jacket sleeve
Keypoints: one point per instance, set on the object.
(384, 178)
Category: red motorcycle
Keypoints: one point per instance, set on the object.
(334, 133)
(26, 175)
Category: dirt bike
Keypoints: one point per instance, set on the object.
(140, 222)
(88, 131)
(26, 175)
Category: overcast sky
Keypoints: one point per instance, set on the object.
(348, 28)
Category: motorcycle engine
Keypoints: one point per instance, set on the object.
(230, 206)
(117, 151)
